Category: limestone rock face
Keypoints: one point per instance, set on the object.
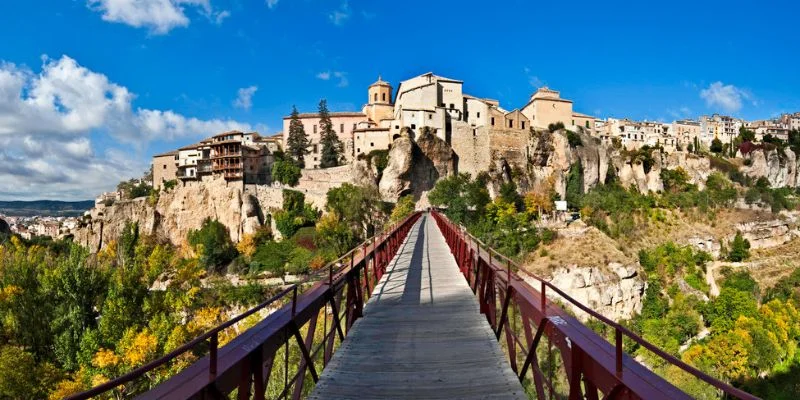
(415, 166)
(616, 292)
(763, 234)
(176, 213)
(779, 169)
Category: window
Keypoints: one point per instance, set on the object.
(358, 150)
(315, 129)
(478, 114)
(383, 96)
(587, 124)
(523, 124)
(492, 121)
(371, 144)
(375, 97)
(452, 105)
(430, 116)
(341, 128)
(413, 126)
(573, 122)
(165, 166)
(510, 123)
(354, 126)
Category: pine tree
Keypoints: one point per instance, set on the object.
(297, 142)
(331, 146)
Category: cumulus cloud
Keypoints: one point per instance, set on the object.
(341, 15)
(47, 121)
(272, 3)
(244, 99)
(324, 75)
(727, 97)
(160, 16)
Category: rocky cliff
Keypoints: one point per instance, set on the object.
(551, 157)
(615, 291)
(415, 165)
(779, 167)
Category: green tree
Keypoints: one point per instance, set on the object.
(213, 245)
(286, 172)
(722, 312)
(331, 146)
(716, 146)
(21, 377)
(574, 190)
(297, 143)
(740, 248)
(462, 198)
(76, 288)
(360, 207)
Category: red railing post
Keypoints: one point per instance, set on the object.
(618, 343)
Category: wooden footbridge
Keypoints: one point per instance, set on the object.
(422, 311)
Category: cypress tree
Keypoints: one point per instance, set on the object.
(297, 142)
(331, 146)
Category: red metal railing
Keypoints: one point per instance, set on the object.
(303, 332)
(591, 365)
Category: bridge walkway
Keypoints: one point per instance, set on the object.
(422, 335)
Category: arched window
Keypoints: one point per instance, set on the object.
(383, 96)
(375, 97)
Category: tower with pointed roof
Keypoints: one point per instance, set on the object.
(379, 103)
(380, 92)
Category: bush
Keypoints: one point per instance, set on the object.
(740, 248)
(405, 206)
(556, 126)
(286, 172)
(379, 158)
(716, 146)
(574, 139)
(213, 245)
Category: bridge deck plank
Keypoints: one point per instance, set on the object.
(422, 336)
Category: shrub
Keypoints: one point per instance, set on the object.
(574, 139)
(213, 244)
(740, 248)
(286, 172)
(555, 126)
(716, 146)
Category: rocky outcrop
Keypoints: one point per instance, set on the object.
(415, 166)
(763, 234)
(616, 291)
(779, 167)
(551, 157)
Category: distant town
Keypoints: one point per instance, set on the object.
(439, 103)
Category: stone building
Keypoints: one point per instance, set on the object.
(164, 168)
(547, 107)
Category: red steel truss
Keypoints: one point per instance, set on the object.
(591, 365)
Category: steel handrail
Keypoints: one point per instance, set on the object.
(213, 332)
(619, 329)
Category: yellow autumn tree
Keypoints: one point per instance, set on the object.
(137, 347)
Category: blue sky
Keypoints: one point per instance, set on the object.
(90, 89)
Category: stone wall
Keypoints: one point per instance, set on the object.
(471, 146)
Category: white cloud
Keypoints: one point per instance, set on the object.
(244, 100)
(47, 121)
(342, 14)
(727, 97)
(272, 3)
(340, 75)
(533, 80)
(160, 16)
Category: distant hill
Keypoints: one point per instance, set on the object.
(52, 208)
